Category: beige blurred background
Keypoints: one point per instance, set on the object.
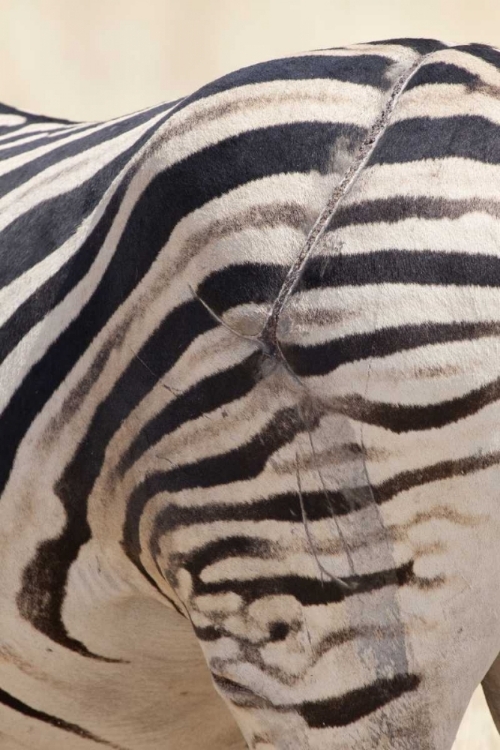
(96, 59)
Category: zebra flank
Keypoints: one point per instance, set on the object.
(249, 409)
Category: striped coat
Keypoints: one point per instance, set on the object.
(249, 368)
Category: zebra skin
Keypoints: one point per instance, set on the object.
(249, 397)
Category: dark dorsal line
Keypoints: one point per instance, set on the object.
(29, 119)
(354, 705)
(363, 69)
(8, 700)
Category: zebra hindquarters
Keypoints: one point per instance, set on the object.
(335, 551)
(250, 373)
(331, 525)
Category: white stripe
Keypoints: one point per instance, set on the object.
(448, 178)
(447, 100)
(473, 233)
(10, 121)
(35, 126)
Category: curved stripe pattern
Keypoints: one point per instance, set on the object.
(205, 369)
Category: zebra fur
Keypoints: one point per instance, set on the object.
(248, 397)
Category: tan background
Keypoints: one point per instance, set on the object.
(95, 59)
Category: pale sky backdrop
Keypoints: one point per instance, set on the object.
(97, 59)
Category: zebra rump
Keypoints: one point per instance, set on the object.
(249, 384)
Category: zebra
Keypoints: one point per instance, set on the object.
(249, 385)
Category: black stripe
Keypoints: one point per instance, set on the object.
(47, 138)
(168, 198)
(207, 395)
(422, 46)
(401, 267)
(286, 507)
(282, 507)
(68, 126)
(446, 73)
(38, 232)
(310, 592)
(222, 549)
(16, 705)
(107, 131)
(401, 207)
(402, 418)
(482, 51)
(320, 359)
(367, 70)
(256, 283)
(259, 283)
(44, 580)
(21, 133)
(240, 463)
(16, 177)
(354, 705)
(38, 136)
(370, 70)
(52, 292)
(464, 136)
(243, 462)
(210, 633)
(406, 480)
